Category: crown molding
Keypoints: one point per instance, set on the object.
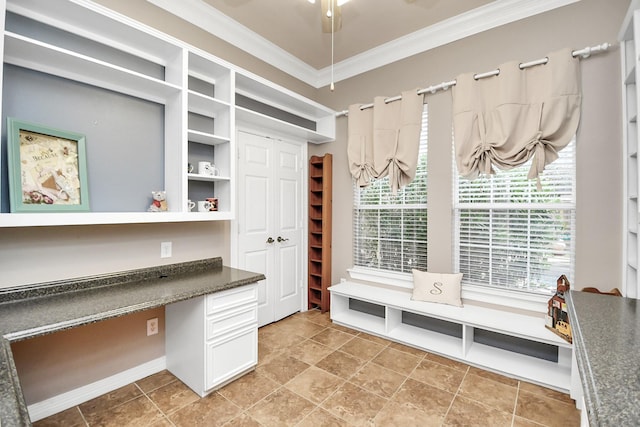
(475, 21)
(492, 15)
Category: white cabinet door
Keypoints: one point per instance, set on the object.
(271, 221)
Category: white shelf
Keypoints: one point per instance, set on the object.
(94, 22)
(444, 345)
(207, 178)
(244, 115)
(521, 366)
(35, 55)
(206, 105)
(362, 321)
(206, 138)
(81, 218)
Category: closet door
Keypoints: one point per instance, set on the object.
(270, 221)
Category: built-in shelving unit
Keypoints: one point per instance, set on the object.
(630, 54)
(152, 105)
(320, 225)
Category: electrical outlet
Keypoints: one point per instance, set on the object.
(165, 250)
(152, 326)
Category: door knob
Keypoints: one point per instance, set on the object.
(270, 240)
(281, 239)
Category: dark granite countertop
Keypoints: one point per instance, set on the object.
(34, 310)
(606, 334)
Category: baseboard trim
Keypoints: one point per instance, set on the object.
(69, 399)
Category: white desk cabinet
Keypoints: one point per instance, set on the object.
(213, 339)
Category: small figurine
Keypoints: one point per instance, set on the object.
(159, 203)
(557, 318)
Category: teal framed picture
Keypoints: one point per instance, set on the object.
(47, 169)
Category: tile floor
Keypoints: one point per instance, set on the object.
(314, 373)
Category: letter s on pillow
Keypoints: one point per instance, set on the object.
(443, 288)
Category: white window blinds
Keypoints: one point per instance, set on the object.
(390, 231)
(510, 235)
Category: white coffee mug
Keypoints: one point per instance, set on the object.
(206, 168)
(204, 206)
(190, 205)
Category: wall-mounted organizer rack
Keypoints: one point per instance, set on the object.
(320, 221)
(148, 104)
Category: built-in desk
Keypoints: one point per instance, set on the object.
(606, 336)
(28, 312)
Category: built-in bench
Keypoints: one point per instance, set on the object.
(511, 343)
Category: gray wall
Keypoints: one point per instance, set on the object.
(599, 197)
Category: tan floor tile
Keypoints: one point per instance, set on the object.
(281, 408)
(466, 412)
(376, 339)
(343, 329)
(242, 420)
(434, 401)
(173, 396)
(493, 376)
(397, 414)
(332, 338)
(274, 339)
(545, 410)
(296, 326)
(488, 392)
(137, 412)
(164, 422)
(110, 400)
(315, 384)
(212, 410)
(69, 418)
(340, 364)
(266, 352)
(362, 349)
(282, 368)
(354, 405)
(523, 422)
(378, 380)
(438, 375)
(546, 392)
(322, 319)
(396, 360)
(155, 381)
(321, 418)
(248, 389)
(310, 351)
(450, 363)
(407, 349)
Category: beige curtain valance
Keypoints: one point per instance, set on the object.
(360, 145)
(507, 119)
(385, 140)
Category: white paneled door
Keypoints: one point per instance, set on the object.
(271, 221)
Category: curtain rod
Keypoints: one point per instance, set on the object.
(583, 53)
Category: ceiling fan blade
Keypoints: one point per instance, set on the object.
(326, 20)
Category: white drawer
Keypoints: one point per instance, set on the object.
(231, 298)
(231, 355)
(232, 319)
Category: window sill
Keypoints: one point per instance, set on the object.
(501, 297)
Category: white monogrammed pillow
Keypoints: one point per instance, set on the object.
(437, 287)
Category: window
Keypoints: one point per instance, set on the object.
(390, 232)
(512, 236)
